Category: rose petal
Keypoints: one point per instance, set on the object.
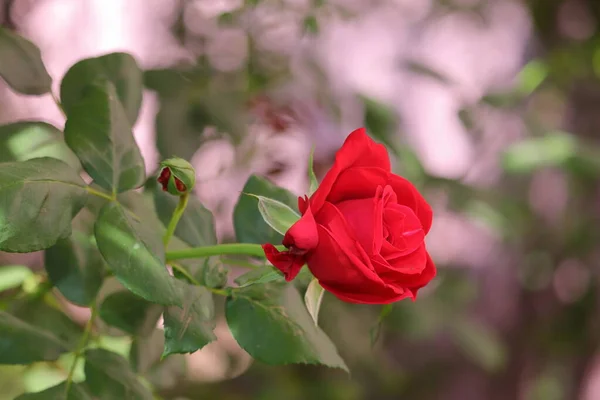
(285, 261)
(303, 234)
(418, 282)
(358, 150)
(405, 231)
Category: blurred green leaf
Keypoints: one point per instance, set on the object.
(130, 313)
(553, 149)
(248, 222)
(13, 276)
(38, 200)
(109, 377)
(25, 140)
(312, 178)
(22, 66)
(23, 343)
(532, 76)
(479, 343)
(313, 298)
(76, 392)
(381, 122)
(98, 131)
(311, 26)
(135, 254)
(190, 328)
(76, 268)
(272, 324)
(375, 332)
(120, 69)
(260, 275)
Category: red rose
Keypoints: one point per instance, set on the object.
(362, 232)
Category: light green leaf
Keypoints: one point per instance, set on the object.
(38, 200)
(272, 324)
(264, 274)
(13, 276)
(314, 183)
(130, 313)
(25, 140)
(98, 131)
(196, 226)
(120, 69)
(22, 66)
(77, 391)
(313, 298)
(381, 122)
(553, 149)
(76, 268)
(190, 328)
(250, 227)
(109, 377)
(22, 343)
(135, 254)
(276, 214)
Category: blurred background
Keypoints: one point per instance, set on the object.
(492, 108)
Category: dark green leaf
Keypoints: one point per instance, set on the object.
(22, 343)
(264, 274)
(109, 377)
(76, 268)
(135, 254)
(190, 328)
(25, 140)
(247, 219)
(77, 391)
(272, 324)
(130, 313)
(22, 66)
(98, 131)
(120, 69)
(196, 226)
(38, 200)
(43, 316)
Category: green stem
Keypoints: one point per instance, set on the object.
(79, 350)
(183, 200)
(247, 249)
(99, 193)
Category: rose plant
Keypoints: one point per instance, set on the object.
(132, 248)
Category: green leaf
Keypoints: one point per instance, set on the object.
(38, 200)
(109, 377)
(375, 331)
(314, 183)
(276, 214)
(22, 66)
(25, 140)
(553, 149)
(381, 122)
(43, 316)
(313, 298)
(196, 226)
(130, 313)
(22, 343)
(76, 268)
(248, 222)
(135, 254)
(272, 324)
(13, 276)
(190, 328)
(259, 275)
(120, 69)
(98, 131)
(77, 391)
(480, 344)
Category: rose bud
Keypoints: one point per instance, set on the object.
(177, 176)
(362, 232)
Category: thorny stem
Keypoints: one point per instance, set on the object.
(183, 200)
(80, 347)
